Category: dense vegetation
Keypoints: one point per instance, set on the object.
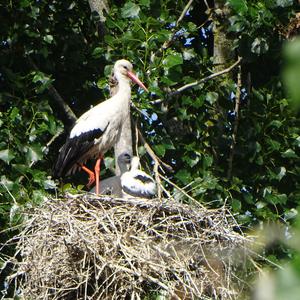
(231, 139)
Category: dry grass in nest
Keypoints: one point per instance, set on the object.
(88, 247)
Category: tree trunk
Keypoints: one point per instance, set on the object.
(223, 53)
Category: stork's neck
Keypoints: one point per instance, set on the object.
(123, 167)
(135, 162)
(124, 90)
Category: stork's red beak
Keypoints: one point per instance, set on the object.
(134, 78)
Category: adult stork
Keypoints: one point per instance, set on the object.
(136, 183)
(97, 130)
(112, 185)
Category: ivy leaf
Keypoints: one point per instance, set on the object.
(173, 60)
(212, 97)
(281, 173)
(184, 176)
(160, 150)
(34, 153)
(284, 3)
(130, 10)
(236, 205)
(289, 154)
(259, 46)
(7, 155)
(240, 6)
(48, 38)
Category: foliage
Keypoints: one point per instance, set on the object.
(191, 130)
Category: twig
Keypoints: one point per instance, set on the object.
(236, 122)
(186, 8)
(167, 43)
(60, 101)
(152, 154)
(181, 190)
(195, 83)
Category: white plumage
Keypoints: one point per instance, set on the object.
(97, 130)
(136, 183)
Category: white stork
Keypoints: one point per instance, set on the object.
(112, 185)
(136, 183)
(97, 130)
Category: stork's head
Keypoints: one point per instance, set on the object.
(124, 160)
(123, 69)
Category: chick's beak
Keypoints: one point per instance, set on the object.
(135, 79)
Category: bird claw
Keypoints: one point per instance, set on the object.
(91, 180)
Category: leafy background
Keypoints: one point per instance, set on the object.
(62, 45)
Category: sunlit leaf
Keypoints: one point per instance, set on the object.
(172, 60)
(130, 10)
(7, 155)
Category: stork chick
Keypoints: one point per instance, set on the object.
(136, 183)
(112, 185)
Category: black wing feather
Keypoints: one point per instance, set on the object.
(138, 193)
(73, 149)
(143, 179)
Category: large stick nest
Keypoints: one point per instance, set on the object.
(88, 247)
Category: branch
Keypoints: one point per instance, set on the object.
(56, 96)
(167, 43)
(236, 123)
(157, 163)
(186, 8)
(195, 83)
(60, 101)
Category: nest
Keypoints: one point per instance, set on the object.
(88, 247)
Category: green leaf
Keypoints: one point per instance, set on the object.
(34, 153)
(48, 38)
(274, 145)
(212, 97)
(6, 183)
(240, 6)
(97, 52)
(14, 113)
(260, 204)
(290, 214)
(184, 176)
(259, 46)
(277, 198)
(7, 155)
(281, 173)
(284, 3)
(276, 123)
(289, 154)
(172, 60)
(236, 205)
(130, 10)
(160, 150)
(236, 24)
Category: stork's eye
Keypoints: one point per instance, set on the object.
(125, 67)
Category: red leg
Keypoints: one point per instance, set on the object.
(91, 175)
(97, 173)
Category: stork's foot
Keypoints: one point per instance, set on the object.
(91, 176)
(91, 181)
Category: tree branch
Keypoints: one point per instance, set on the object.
(167, 43)
(236, 122)
(56, 96)
(60, 101)
(195, 83)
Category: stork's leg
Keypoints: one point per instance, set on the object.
(97, 173)
(91, 175)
